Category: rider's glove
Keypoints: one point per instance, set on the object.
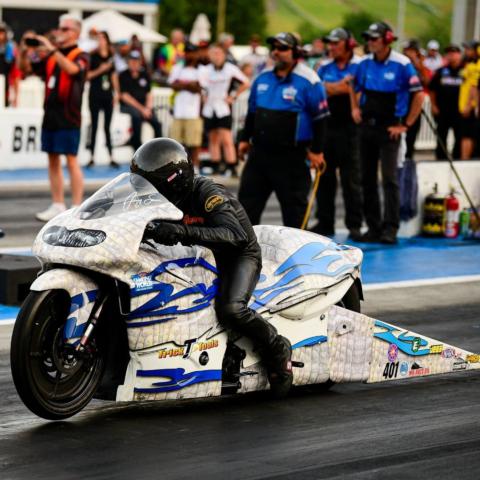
(165, 233)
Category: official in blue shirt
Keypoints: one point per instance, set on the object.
(385, 81)
(285, 124)
(341, 144)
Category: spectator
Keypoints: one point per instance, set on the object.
(285, 123)
(444, 93)
(411, 50)
(120, 57)
(136, 98)
(254, 58)
(64, 69)
(218, 79)
(202, 53)
(187, 125)
(226, 41)
(90, 43)
(8, 67)
(467, 102)
(166, 56)
(341, 144)
(385, 80)
(136, 44)
(316, 54)
(104, 89)
(433, 60)
(470, 51)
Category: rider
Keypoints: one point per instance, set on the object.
(215, 219)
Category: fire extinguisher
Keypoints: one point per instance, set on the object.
(452, 216)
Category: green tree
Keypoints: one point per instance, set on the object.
(358, 22)
(438, 29)
(243, 18)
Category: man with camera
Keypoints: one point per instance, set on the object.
(63, 66)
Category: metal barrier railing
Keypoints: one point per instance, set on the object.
(32, 91)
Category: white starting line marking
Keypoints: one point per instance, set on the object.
(23, 250)
(424, 282)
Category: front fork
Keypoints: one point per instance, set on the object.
(91, 323)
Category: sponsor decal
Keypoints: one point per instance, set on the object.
(418, 371)
(404, 369)
(262, 87)
(392, 353)
(188, 220)
(416, 343)
(473, 358)
(143, 281)
(460, 364)
(414, 80)
(448, 353)
(436, 349)
(289, 93)
(389, 76)
(189, 347)
(212, 202)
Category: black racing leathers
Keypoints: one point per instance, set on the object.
(215, 219)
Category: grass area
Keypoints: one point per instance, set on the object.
(288, 15)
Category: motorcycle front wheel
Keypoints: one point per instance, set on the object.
(52, 380)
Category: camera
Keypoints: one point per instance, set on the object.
(32, 42)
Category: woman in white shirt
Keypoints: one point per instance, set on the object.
(218, 80)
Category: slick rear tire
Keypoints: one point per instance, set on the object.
(52, 382)
(351, 300)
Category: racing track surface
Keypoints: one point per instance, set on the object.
(426, 428)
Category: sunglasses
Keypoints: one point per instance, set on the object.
(280, 48)
(66, 29)
(373, 39)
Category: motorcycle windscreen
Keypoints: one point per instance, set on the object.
(125, 193)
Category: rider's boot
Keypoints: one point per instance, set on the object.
(275, 351)
(280, 373)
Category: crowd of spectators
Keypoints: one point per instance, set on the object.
(207, 79)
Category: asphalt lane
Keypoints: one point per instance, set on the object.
(417, 428)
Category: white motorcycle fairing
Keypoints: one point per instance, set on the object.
(177, 348)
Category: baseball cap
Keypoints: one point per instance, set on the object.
(433, 45)
(284, 38)
(412, 44)
(336, 35)
(377, 30)
(3, 26)
(471, 44)
(135, 54)
(452, 48)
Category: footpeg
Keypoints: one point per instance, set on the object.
(297, 364)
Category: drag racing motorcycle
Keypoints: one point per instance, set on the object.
(117, 318)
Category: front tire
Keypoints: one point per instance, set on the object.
(52, 381)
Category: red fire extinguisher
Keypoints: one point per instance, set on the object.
(452, 226)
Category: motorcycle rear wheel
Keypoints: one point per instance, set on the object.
(52, 381)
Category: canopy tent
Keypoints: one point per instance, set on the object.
(119, 27)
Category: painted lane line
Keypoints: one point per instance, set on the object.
(422, 282)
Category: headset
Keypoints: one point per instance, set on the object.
(389, 36)
(350, 42)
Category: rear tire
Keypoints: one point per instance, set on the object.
(52, 381)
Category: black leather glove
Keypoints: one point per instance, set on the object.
(165, 233)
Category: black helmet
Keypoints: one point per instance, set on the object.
(165, 164)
